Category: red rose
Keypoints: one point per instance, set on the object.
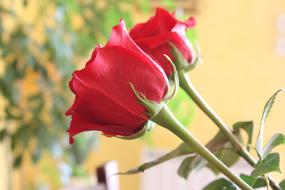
(104, 99)
(155, 36)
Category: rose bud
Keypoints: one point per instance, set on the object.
(119, 89)
(161, 35)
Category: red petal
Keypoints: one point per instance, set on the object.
(104, 100)
(155, 35)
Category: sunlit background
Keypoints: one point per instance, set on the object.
(243, 51)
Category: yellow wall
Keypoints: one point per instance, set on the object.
(240, 70)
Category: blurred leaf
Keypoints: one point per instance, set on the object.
(169, 4)
(192, 35)
(282, 184)
(12, 113)
(144, 4)
(9, 89)
(6, 11)
(25, 2)
(17, 161)
(183, 108)
(227, 156)
(247, 126)
(274, 141)
(269, 164)
(82, 146)
(267, 108)
(216, 146)
(190, 164)
(219, 184)
(3, 134)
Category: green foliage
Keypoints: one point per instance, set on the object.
(44, 63)
(220, 184)
(266, 110)
(221, 148)
(269, 164)
(253, 181)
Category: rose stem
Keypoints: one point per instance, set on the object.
(188, 87)
(167, 120)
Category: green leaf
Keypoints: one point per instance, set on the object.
(269, 164)
(181, 150)
(274, 141)
(250, 180)
(247, 126)
(196, 162)
(189, 164)
(260, 182)
(253, 181)
(220, 184)
(185, 167)
(282, 184)
(266, 110)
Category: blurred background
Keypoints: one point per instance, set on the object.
(42, 42)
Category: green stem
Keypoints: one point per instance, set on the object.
(166, 119)
(189, 88)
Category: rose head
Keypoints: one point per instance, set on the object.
(104, 98)
(157, 34)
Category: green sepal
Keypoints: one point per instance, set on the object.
(147, 127)
(152, 107)
(173, 82)
(181, 63)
